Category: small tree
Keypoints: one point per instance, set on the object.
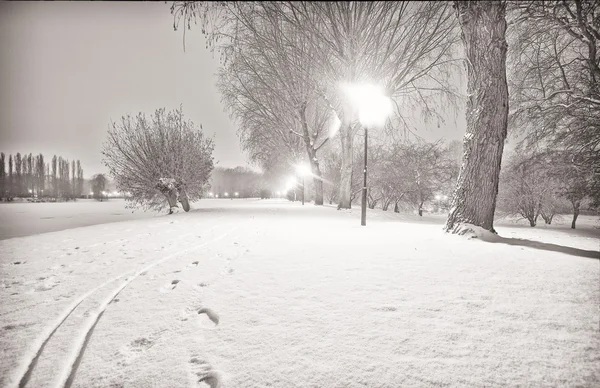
(11, 178)
(159, 160)
(99, 182)
(2, 176)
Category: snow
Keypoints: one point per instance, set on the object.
(255, 293)
(25, 219)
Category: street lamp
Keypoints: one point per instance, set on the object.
(373, 109)
(303, 170)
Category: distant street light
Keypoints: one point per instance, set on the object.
(303, 170)
(226, 194)
(217, 196)
(373, 109)
(236, 194)
(210, 194)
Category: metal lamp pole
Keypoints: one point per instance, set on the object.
(363, 215)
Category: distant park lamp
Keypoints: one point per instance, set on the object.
(236, 194)
(373, 107)
(226, 194)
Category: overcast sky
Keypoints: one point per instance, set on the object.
(68, 68)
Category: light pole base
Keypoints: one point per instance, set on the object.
(363, 208)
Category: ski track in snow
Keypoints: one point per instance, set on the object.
(28, 363)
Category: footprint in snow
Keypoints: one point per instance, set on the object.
(195, 263)
(169, 287)
(210, 314)
(204, 373)
(133, 350)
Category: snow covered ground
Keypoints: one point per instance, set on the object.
(26, 219)
(305, 297)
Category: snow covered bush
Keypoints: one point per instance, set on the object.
(160, 160)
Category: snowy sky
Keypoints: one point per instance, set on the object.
(68, 68)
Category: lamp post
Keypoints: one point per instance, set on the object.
(373, 109)
(303, 170)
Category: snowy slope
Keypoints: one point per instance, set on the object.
(305, 297)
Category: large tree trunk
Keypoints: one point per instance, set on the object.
(183, 198)
(576, 206)
(312, 157)
(344, 200)
(483, 26)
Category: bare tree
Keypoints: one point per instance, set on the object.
(267, 82)
(79, 179)
(524, 188)
(3, 178)
(160, 160)
(11, 178)
(404, 46)
(483, 26)
(555, 77)
(99, 182)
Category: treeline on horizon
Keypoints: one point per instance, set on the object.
(30, 176)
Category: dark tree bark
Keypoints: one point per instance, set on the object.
(312, 155)
(576, 206)
(345, 200)
(483, 26)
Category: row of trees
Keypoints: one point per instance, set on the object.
(285, 64)
(545, 184)
(28, 175)
(282, 63)
(242, 180)
(407, 173)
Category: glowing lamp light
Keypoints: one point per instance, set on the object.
(278, 193)
(226, 194)
(302, 169)
(217, 196)
(438, 197)
(291, 183)
(373, 106)
(210, 194)
(236, 194)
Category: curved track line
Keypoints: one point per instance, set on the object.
(68, 374)
(23, 371)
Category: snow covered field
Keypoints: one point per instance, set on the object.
(26, 219)
(305, 297)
